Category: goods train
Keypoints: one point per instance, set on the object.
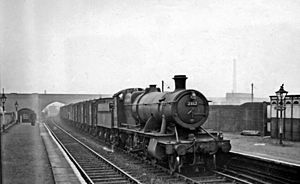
(164, 127)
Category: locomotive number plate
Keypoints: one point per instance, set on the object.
(192, 104)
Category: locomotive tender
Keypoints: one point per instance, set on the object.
(162, 126)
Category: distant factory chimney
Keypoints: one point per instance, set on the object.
(234, 77)
(179, 81)
(252, 94)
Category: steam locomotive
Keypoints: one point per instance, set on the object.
(161, 126)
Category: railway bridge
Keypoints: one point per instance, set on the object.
(37, 102)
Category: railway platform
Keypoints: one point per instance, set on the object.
(265, 147)
(30, 155)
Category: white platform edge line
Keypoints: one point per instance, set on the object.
(77, 173)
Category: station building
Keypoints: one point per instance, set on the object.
(288, 120)
(240, 114)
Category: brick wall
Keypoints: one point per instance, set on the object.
(235, 118)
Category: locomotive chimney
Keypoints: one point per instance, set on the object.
(179, 81)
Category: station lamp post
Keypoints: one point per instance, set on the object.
(16, 105)
(3, 99)
(281, 94)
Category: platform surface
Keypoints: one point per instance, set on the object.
(24, 158)
(265, 147)
(30, 155)
(61, 168)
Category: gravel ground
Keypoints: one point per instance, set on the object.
(265, 147)
(24, 157)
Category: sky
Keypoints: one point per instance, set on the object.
(103, 46)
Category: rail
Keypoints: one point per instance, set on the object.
(258, 169)
(81, 169)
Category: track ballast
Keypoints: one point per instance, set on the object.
(93, 167)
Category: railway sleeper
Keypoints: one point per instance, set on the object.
(107, 179)
(104, 167)
(105, 170)
(214, 180)
(103, 175)
(92, 167)
(166, 177)
(112, 182)
(157, 172)
(91, 170)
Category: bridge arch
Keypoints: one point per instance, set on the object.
(51, 109)
(44, 105)
(37, 102)
(26, 115)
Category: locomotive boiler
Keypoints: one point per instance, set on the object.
(164, 127)
(186, 108)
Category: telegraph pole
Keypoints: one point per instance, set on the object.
(252, 95)
(234, 84)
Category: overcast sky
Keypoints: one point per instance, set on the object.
(103, 46)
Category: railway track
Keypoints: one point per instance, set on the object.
(258, 170)
(144, 173)
(93, 167)
(157, 173)
(203, 178)
(232, 168)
